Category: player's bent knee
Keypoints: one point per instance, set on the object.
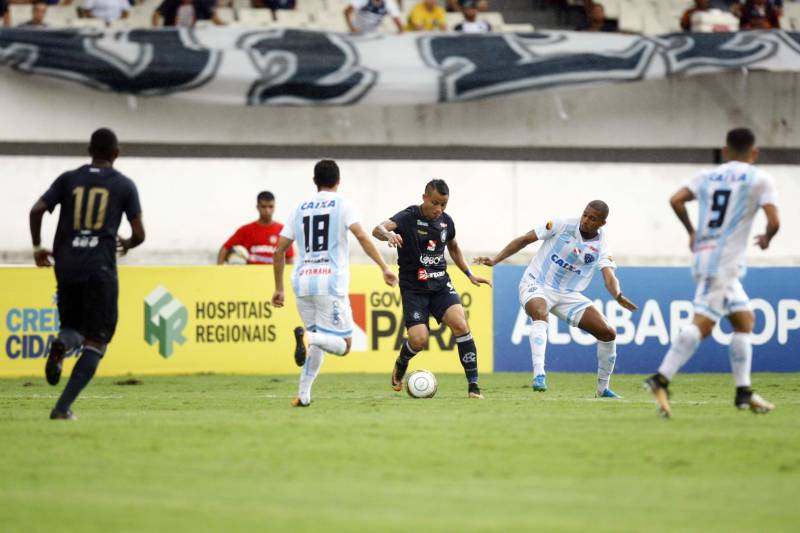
(460, 328)
(417, 342)
(609, 335)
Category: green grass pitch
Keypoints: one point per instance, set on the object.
(228, 453)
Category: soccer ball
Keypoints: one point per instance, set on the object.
(238, 255)
(421, 384)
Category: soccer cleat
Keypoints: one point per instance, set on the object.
(61, 415)
(298, 403)
(754, 402)
(398, 372)
(607, 393)
(55, 362)
(474, 392)
(300, 346)
(660, 393)
(539, 383)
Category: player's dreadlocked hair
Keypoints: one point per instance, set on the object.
(326, 173)
(439, 186)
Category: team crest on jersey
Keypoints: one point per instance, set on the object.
(588, 258)
(443, 236)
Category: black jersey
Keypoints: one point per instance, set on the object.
(421, 258)
(92, 202)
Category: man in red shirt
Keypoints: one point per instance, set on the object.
(259, 237)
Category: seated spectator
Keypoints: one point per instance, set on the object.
(273, 5)
(259, 237)
(185, 12)
(737, 6)
(699, 6)
(456, 6)
(471, 24)
(38, 13)
(760, 15)
(427, 16)
(5, 13)
(369, 15)
(596, 20)
(107, 10)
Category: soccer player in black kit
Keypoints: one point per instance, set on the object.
(93, 199)
(420, 234)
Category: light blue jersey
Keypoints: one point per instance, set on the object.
(728, 199)
(320, 225)
(566, 262)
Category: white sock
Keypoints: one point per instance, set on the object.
(606, 357)
(309, 373)
(538, 338)
(741, 354)
(329, 343)
(680, 352)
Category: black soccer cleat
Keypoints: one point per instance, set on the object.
(398, 372)
(474, 392)
(658, 386)
(55, 362)
(300, 346)
(55, 414)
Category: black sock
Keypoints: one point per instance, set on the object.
(406, 353)
(81, 376)
(468, 355)
(744, 392)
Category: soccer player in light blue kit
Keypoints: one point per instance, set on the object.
(729, 198)
(571, 252)
(321, 278)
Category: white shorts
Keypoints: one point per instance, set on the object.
(568, 306)
(327, 314)
(719, 297)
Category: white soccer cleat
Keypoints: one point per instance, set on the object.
(756, 404)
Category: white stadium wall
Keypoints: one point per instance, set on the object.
(192, 205)
(674, 113)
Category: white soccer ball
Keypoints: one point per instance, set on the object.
(238, 255)
(421, 384)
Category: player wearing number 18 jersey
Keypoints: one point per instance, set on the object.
(93, 199)
(321, 278)
(728, 199)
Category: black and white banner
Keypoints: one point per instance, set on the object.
(295, 67)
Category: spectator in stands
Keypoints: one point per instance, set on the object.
(107, 10)
(760, 15)
(369, 15)
(737, 6)
(699, 6)
(471, 24)
(273, 5)
(5, 13)
(456, 6)
(427, 16)
(38, 13)
(185, 12)
(596, 20)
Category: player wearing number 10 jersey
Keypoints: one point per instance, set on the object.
(321, 279)
(728, 199)
(93, 199)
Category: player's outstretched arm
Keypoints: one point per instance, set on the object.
(40, 255)
(389, 277)
(385, 232)
(461, 262)
(773, 225)
(612, 286)
(510, 249)
(137, 236)
(278, 264)
(678, 203)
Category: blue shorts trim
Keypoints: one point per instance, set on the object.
(347, 333)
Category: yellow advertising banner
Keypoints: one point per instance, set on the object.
(180, 320)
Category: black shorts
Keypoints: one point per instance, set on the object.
(419, 305)
(90, 308)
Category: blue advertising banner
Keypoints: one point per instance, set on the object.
(664, 297)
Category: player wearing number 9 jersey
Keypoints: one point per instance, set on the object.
(728, 199)
(321, 278)
(93, 199)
